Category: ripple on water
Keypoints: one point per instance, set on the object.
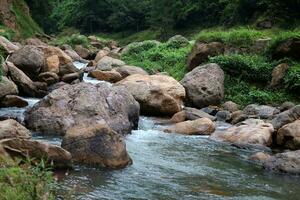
(171, 166)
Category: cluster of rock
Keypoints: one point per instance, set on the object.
(92, 119)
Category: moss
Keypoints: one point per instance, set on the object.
(26, 25)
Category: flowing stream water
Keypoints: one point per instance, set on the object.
(171, 166)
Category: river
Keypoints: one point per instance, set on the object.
(171, 166)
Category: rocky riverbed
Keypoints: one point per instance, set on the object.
(89, 108)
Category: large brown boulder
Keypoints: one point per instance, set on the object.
(157, 94)
(109, 76)
(101, 54)
(84, 103)
(127, 70)
(12, 129)
(204, 85)
(251, 131)
(286, 117)
(289, 136)
(25, 84)
(7, 45)
(53, 155)
(202, 126)
(7, 87)
(34, 42)
(289, 48)
(98, 145)
(108, 63)
(202, 51)
(30, 59)
(287, 162)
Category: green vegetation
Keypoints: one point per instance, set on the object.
(238, 37)
(162, 15)
(253, 68)
(292, 78)
(26, 25)
(25, 182)
(73, 40)
(245, 93)
(280, 37)
(155, 58)
(6, 32)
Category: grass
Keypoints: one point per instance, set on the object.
(238, 37)
(158, 58)
(125, 38)
(25, 182)
(26, 25)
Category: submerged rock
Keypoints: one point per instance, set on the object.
(202, 126)
(157, 94)
(71, 105)
(12, 129)
(97, 145)
(251, 131)
(53, 155)
(288, 162)
(204, 85)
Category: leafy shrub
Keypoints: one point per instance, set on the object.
(138, 47)
(158, 58)
(244, 94)
(73, 40)
(292, 78)
(239, 37)
(250, 67)
(177, 41)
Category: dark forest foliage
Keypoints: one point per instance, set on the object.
(136, 15)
